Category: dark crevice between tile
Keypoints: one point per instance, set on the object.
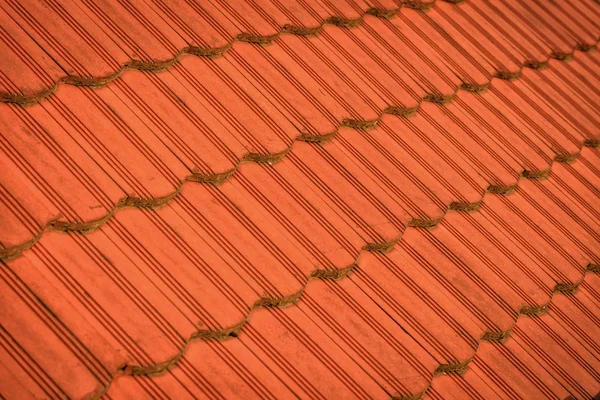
(562, 56)
(566, 288)
(465, 207)
(381, 247)
(161, 65)
(566, 158)
(383, 13)
(594, 268)
(344, 22)
(334, 275)
(418, 5)
(401, 111)
(534, 311)
(439, 98)
(585, 47)
(507, 75)
(537, 175)
(358, 124)
(496, 336)
(502, 189)
(266, 158)
(279, 302)
(593, 143)
(424, 223)
(256, 39)
(319, 139)
(458, 368)
(534, 64)
(216, 179)
(474, 88)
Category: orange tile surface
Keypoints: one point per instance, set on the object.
(291, 199)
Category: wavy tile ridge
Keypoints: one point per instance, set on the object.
(565, 288)
(210, 52)
(461, 367)
(287, 301)
(161, 65)
(216, 179)
(11, 252)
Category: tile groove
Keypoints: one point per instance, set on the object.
(290, 300)
(219, 178)
(156, 66)
(216, 179)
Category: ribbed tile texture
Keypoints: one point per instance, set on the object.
(281, 199)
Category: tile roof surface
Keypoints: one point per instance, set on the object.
(314, 199)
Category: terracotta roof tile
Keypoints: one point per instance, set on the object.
(281, 199)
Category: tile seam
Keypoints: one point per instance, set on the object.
(290, 300)
(157, 66)
(55, 225)
(216, 179)
(234, 331)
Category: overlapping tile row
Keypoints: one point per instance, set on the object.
(469, 278)
(252, 105)
(100, 48)
(150, 281)
(467, 295)
(103, 263)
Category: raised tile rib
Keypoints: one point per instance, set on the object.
(57, 225)
(566, 286)
(521, 330)
(161, 65)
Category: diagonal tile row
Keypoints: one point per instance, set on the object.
(323, 348)
(99, 50)
(470, 278)
(251, 188)
(142, 159)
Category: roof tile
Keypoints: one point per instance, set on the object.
(287, 199)
(77, 45)
(25, 68)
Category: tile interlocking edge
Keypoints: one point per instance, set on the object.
(216, 179)
(563, 288)
(11, 252)
(161, 65)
